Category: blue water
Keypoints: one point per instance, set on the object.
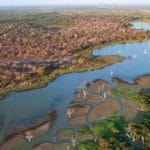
(141, 25)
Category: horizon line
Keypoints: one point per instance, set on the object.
(75, 4)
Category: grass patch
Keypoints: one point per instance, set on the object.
(89, 145)
(126, 92)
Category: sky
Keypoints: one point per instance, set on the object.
(60, 2)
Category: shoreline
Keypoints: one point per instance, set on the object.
(135, 81)
(50, 78)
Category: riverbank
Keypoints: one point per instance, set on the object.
(29, 65)
(86, 54)
(97, 63)
(36, 59)
(140, 81)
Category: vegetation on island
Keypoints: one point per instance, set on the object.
(111, 133)
(117, 133)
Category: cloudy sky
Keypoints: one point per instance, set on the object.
(45, 2)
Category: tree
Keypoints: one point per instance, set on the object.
(41, 71)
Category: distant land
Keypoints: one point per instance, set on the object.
(84, 6)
